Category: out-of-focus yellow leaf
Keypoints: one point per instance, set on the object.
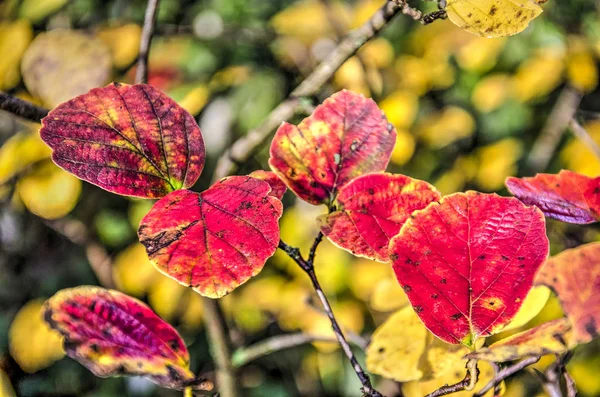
(491, 92)
(585, 374)
(553, 337)
(420, 75)
(532, 306)
(479, 54)
(195, 100)
(332, 268)
(123, 43)
(308, 20)
(539, 75)
(230, 77)
(365, 275)
(36, 10)
(352, 76)
(578, 157)
(32, 343)
(440, 358)
(377, 53)
(133, 272)
(19, 151)
(166, 296)
(364, 10)
(14, 39)
(388, 295)
(6, 389)
(349, 315)
(496, 162)
(397, 346)
(61, 64)
(401, 108)
(404, 148)
(582, 71)
(293, 306)
(463, 171)
(48, 191)
(493, 18)
(440, 129)
(194, 312)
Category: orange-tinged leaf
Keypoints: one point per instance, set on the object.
(574, 275)
(111, 334)
(216, 240)
(371, 209)
(553, 337)
(468, 262)
(127, 139)
(345, 137)
(566, 196)
(278, 188)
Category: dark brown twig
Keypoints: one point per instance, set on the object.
(22, 108)
(308, 267)
(468, 383)
(141, 73)
(505, 373)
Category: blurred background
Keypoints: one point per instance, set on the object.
(469, 112)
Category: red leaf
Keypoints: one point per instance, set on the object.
(467, 262)
(566, 196)
(127, 139)
(112, 334)
(371, 209)
(347, 136)
(216, 240)
(574, 275)
(278, 188)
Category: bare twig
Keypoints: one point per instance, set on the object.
(505, 373)
(21, 108)
(582, 134)
(468, 383)
(308, 267)
(245, 147)
(544, 147)
(141, 74)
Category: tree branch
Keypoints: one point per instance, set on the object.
(246, 146)
(141, 73)
(468, 383)
(22, 108)
(308, 267)
(505, 373)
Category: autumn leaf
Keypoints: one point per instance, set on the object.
(278, 188)
(127, 139)
(371, 209)
(493, 18)
(553, 337)
(532, 306)
(574, 275)
(566, 196)
(216, 240)
(468, 262)
(112, 334)
(345, 137)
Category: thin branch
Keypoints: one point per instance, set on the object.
(468, 383)
(274, 344)
(582, 134)
(245, 147)
(505, 373)
(220, 346)
(21, 108)
(544, 147)
(141, 74)
(308, 267)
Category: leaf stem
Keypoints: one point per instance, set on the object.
(468, 383)
(308, 267)
(21, 108)
(141, 73)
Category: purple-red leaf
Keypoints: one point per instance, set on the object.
(347, 136)
(566, 196)
(278, 188)
(216, 240)
(113, 334)
(371, 209)
(127, 139)
(468, 262)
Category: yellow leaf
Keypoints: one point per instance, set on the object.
(192, 317)
(6, 389)
(491, 92)
(165, 296)
(61, 64)
(36, 10)
(582, 71)
(349, 315)
(577, 156)
(123, 43)
(21, 150)
(404, 147)
(32, 343)
(449, 125)
(480, 54)
(532, 306)
(377, 53)
(388, 295)
(133, 272)
(364, 10)
(552, 337)
(397, 346)
(496, 162)
(48, 191)
(401, 108)
(352, 76)
(14, 39)
(195, 100)
(365, 276)
(493, 18)
(539, 75)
